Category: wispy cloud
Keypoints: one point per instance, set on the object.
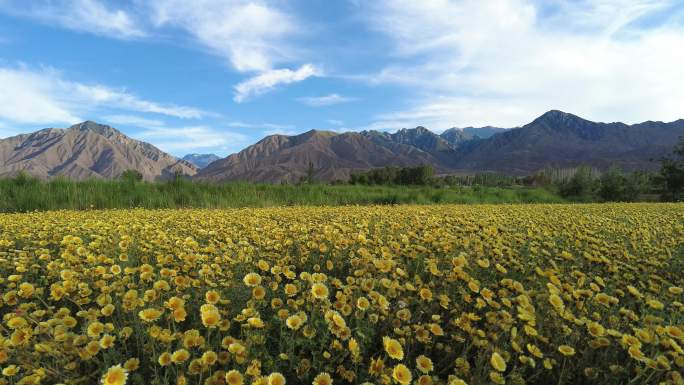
(133, 120)
(89, 16)
(325, 100)
(269, 126)
(505, 61)
(43, 96)
(281, 131)
(271, 79)
(180, 140)
(252, 35)
(336, 122)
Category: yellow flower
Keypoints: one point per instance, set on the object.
(149, 315)
(393, 348)
(290, 290)
(424, 364)
(233, 377)
(209, 358)
(425, 294)
(17, 323)
(566, 350)
(319, 291)
(210, 315)
(498, 362)
(401, 374)
(323, 379)
(293, 322)
(596, 329)
(164, 359)
(107, 341)
(116, 375)
(276, 379)
(10, 370)
(256, 322)
(131, 364)
(180, 356)
(252, 279)
(212, 297)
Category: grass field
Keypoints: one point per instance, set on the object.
(437, 294)
(17, 195)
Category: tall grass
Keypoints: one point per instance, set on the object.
(28, 194)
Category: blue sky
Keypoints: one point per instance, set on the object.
(218, 75)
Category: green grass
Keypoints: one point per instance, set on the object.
(28, 194)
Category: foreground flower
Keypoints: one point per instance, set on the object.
(233, 377)
(276, 379)
(319, 291)
(401, 374)
(116, 375)
(323, 379)
(566, 350)
(498, 362)
(393, 348)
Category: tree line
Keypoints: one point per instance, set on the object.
(582, 183)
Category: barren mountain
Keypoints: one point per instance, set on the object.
(86, 150)
(555, 139)
(559, 139)
(280, 158)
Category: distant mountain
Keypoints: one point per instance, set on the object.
(419, 137)
(201, 160)
(86, 150)
(280, 158)
(559, 139)
(555, 139)
(483, 132)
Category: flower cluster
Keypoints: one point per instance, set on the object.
(377, 295)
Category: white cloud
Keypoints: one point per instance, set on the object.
(269, 80)
(44, 96)
(133, 120)
(281, 131)
(252, 35)
(102, 95)
(326, 100)
(504, 62)
(29, 97)
(182, 140)
(80, 15)
(270, 126)
(335, 122)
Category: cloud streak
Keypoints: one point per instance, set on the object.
(325, 100)
(506, 61)
(181, 140)
(89, 16)
(43, 96)
(269, 80)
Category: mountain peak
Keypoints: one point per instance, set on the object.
(91, 126)
(556, 117)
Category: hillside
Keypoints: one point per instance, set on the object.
(86, 150)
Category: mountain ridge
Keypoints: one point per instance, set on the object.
(86, 150)
(554, 139)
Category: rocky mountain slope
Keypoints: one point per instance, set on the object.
(559, 139)
(555, 139)
(86, 150)
(280, 158)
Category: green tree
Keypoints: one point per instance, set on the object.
(131, 176)
(672, 173)
(613, 185)
(581, 185)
